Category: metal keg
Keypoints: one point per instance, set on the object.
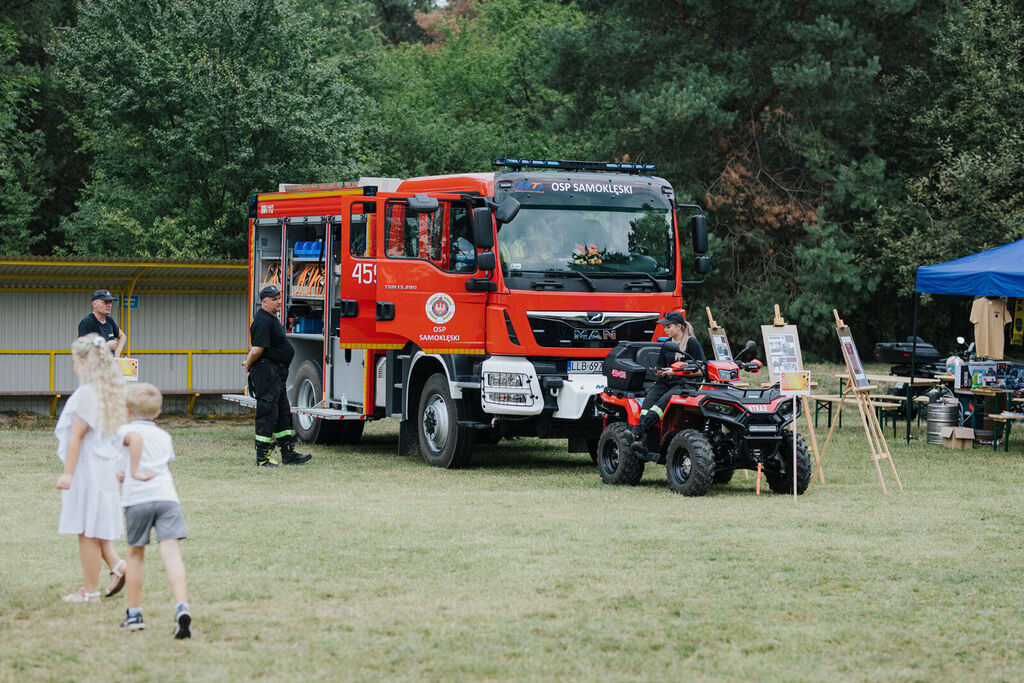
(941, 415)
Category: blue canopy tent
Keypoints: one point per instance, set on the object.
(993, 272)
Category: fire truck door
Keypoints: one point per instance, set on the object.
(354, 292)
(426, 260)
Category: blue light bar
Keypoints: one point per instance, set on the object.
(574, 165)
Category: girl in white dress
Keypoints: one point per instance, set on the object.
(89, 449)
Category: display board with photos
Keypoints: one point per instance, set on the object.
(852, 357)
(719, 340)
(782, 349)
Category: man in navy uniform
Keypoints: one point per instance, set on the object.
(267, 365)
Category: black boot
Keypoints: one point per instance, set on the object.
(639, 431)
(263, 451)
(288, 454)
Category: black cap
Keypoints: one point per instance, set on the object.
(673, 317)
(103, 294)
(269, 292)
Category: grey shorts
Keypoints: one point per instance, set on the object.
(163, 515)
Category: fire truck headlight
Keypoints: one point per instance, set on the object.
(509, 399)
(507, 388)
(505, 380)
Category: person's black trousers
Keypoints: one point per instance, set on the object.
(273, 412)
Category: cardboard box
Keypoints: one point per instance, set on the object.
(959, 438)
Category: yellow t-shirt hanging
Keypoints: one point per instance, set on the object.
(989, 316)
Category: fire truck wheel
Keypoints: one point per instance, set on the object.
(443, 442)
(780, 479)
(309, 393)
(690, 463)
(615, 459)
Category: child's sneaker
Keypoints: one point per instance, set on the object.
(182, 620)
(133, 622)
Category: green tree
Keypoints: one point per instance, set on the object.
(56, 174)
(955, 135)
(476, 93)
(21, 187)
(762, 111)
(187, 108)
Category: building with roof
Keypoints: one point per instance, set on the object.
(186, 323)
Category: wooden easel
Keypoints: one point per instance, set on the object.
(779, 321)
(715, 328)
(868, 420)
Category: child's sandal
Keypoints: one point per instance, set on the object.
(81, 596)
(116, 579)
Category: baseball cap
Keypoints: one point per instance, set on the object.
(673, 317)
(103, 294)
(269, 292)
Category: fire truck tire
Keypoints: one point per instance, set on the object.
(308, 393)
(442, 441)
(690, 463)
(616, 461)
(780, 480)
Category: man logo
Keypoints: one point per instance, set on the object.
(595, 318)
(594, 335)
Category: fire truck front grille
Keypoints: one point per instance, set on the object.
(590, 330)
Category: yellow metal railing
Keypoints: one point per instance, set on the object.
(53, 353)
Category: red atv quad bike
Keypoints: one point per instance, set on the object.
(710, 429)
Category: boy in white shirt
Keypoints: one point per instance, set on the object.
(151, 503)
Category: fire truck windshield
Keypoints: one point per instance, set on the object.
(613, 243)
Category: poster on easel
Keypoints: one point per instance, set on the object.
(720, 344)
(853, 358)
(782, 347)
(719, 340)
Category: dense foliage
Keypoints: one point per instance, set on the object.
(837, 144)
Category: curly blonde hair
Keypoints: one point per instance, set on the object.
(94, 365)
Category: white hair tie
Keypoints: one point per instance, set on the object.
(97, 342)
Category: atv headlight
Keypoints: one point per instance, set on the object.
(721, 408)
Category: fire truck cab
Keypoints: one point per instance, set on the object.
(473, 306)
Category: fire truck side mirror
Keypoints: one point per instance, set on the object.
(422, 203)
(507, 210)
(483, 231)
(702, 264)
(699, 230)
(485, 260)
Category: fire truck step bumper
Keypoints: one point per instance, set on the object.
(330, 413)
(241, 399)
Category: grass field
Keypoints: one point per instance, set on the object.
(364, 565)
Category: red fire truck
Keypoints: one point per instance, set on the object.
(471, 306)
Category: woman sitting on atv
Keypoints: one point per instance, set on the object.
(668, 383)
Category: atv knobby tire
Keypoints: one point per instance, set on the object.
(781, 480)
(690, 463)
(615, 458)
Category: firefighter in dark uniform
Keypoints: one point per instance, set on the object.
(267, 365)
(668, 384)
